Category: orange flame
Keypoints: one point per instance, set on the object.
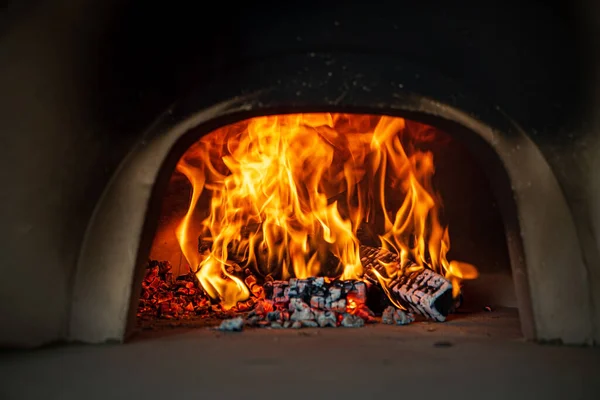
(287, 192)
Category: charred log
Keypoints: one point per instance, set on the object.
(330, 263)
(422, 291)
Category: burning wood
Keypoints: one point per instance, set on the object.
(313, 302)
(392, 315)
(297, 303)
(421, 291)
(164, 297)
(418, 290)
(310, 303)
(289, 196)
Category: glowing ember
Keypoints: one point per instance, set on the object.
(287, 195)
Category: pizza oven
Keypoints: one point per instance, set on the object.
(461, 138)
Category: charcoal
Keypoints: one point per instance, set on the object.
(278, 291)
(403, 318)
(296, 325)
(365, 313)
(287, 324)
(392, 315)
(352, 321)
(303, 315)
(296, 305)
(325, 319)
(256, 289)
(377, 300)
(335, 292)
(423, 291)
(243, 306)
(276, 325)
(317, 302)
(232, 325)
(388, 316)
(328, 303)
(319, 282)
(302, 287)
(274, 316)
(164, 297)
(339, 306)
(318, 291)
(358, 292)
(309, 324)
(320, 294)
(263, 307)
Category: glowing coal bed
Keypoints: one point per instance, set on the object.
(305, 220)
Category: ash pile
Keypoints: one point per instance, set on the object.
(319, 302)
(305, 303)
(308, 303)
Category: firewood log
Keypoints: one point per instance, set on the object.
(423, 291)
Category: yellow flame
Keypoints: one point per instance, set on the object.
(286, 192)
(189, 249)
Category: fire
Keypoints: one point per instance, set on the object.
(288, 193)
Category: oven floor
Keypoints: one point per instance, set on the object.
(477, 356)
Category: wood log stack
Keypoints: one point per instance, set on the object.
(312, 302)
(307, 302)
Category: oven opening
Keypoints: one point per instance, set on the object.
(325, 220)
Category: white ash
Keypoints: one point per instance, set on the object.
(300, 311)
(335, 293)
(326, 319)
(338, 306)
(417, 291)
(352, 321)
(314, 311)
(309, 323)
(316, 292)
(420, 292)
(317, 302)
(232, 325)
(392, 315)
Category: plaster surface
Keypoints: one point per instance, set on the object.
(469, 358)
